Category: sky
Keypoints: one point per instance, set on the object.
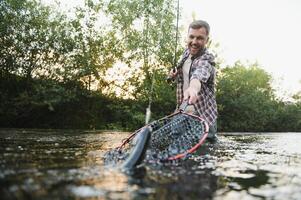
(266, 31)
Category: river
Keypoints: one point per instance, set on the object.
(68, 164)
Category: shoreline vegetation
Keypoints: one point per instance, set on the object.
(63, 71)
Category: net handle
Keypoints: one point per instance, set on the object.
(183, 106)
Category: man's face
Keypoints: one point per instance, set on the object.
(197, 39)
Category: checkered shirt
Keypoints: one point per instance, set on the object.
(202, 68)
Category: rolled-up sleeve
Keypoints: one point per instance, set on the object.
(203, 71)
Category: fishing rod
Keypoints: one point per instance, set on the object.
(175, 67)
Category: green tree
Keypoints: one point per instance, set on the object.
(24, 37)
(49, 55)
(146, 30)
(245, 98)
(95, 47)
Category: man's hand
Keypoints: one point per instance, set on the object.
(172, 74)
(191, 93)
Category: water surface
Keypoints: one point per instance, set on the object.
(68, 164)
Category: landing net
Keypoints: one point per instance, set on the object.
(172, 137)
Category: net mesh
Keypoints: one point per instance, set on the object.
(170, 137)
(174, 136)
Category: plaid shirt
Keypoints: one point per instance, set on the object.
(202, 68)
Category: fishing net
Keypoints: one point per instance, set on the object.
(170, 138)
(174, 137)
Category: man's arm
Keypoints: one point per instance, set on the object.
(191, 93)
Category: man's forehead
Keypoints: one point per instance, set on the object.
(199, 31)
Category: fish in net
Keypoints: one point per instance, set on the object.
(170, 138)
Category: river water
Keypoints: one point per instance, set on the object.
(68, 164)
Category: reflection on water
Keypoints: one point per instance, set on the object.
(53, 164)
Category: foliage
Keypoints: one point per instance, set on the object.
(146, 30)
(247, 102)
(24, 37)
(54, 67)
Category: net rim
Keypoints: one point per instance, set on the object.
(181, 155)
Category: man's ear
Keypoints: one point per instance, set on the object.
(207, 40)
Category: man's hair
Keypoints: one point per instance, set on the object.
(200, 24)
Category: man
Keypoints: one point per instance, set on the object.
(195, 76)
